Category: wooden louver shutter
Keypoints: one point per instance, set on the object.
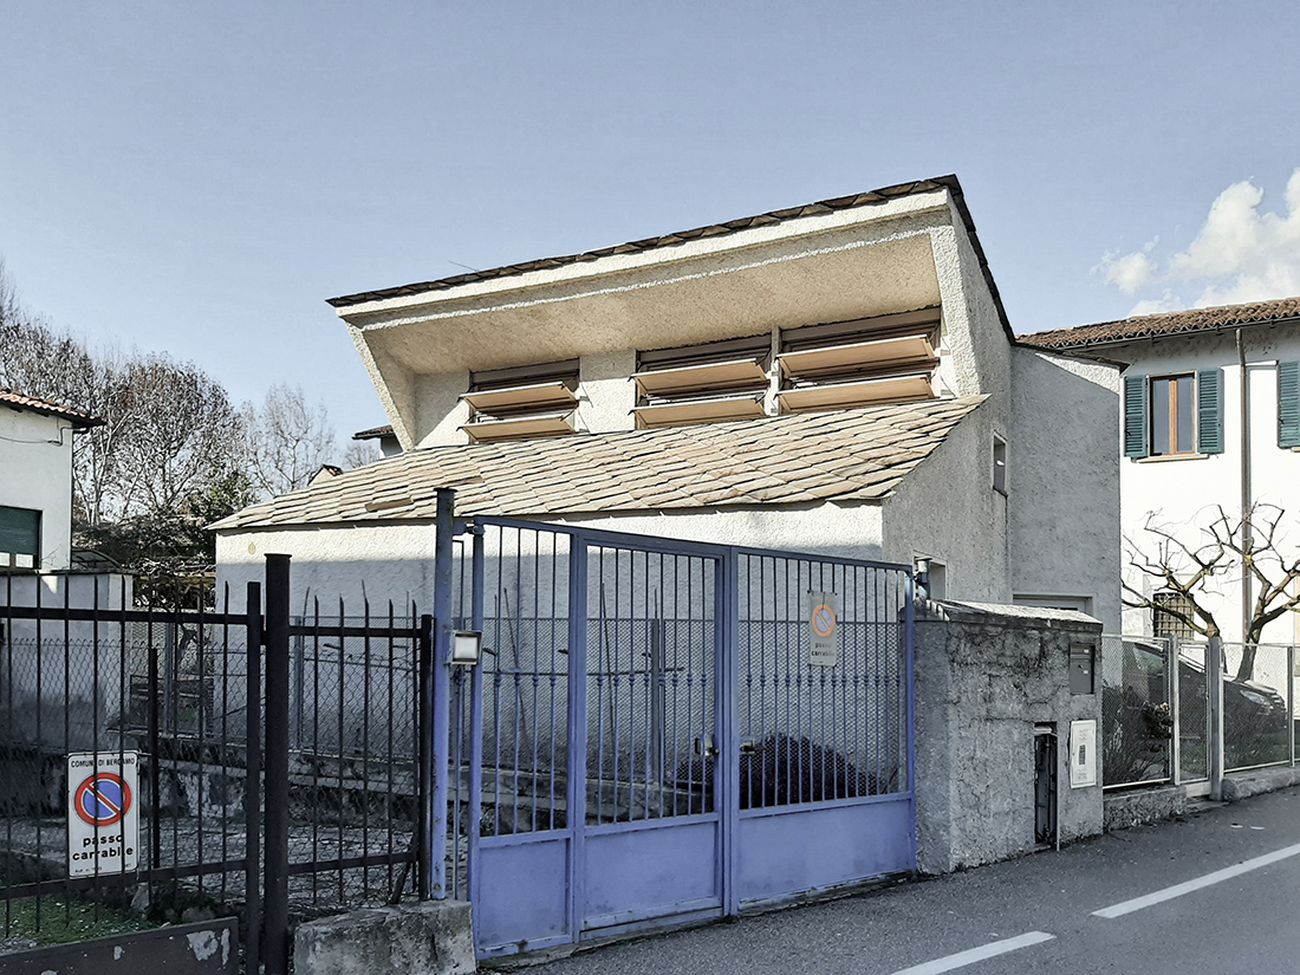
(1135, 417)
(1209, 411)
(1288, 404)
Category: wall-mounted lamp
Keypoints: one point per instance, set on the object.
(921, 568)
(466, 648)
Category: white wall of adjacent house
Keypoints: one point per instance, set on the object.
(1184, 492)
(36, 476)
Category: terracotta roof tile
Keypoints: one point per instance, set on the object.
(848, 454)
(20, 401)
(1166, 324)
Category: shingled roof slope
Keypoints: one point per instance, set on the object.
(21, 401)
(846, 455)
(1166, 324)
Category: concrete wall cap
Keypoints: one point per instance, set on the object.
(952, 610)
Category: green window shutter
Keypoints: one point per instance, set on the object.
(1136, 434)
(20, 534)
(1288, 404)
(1209, 411)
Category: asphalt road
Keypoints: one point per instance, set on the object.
(1037, 910)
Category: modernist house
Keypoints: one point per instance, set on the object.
(1211, 403)
(838, 377)
(36, 481)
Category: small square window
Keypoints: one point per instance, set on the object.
(1083, 658)
(999, 464)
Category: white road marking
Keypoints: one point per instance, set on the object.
(1178, 890)
(970, 957)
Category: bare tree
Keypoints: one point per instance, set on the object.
(183, 435)
(1224, 548)
(288, 441)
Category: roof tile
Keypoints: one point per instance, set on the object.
(860, 454)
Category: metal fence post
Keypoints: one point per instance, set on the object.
(276, 890)
(435, 868)
(1290, 702)
(424, 661)
(252, 780)
(1175, 713)
(1214, 678)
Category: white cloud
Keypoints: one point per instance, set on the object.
(1242, 252)
(1131, 272)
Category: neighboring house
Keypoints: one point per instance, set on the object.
(36, 441)
(837, 377)
(37, 560)
(385, 435)
(1183, 439)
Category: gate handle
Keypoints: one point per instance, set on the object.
(705, 746)
(748, 746)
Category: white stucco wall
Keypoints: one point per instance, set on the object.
(1063, 481)
(1185, 493)
(947, 510)
(36, 473)
(395, 561)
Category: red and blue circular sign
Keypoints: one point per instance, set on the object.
(102, 799)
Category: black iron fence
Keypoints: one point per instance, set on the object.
(220, 760)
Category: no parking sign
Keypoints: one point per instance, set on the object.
(103, 813)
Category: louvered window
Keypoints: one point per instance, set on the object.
(855, 363)
(524, 401)
(716, 381)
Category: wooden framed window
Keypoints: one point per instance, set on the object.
(1163, 620)
(1173, 415)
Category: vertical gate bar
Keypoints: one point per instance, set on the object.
(198, 729)
(577, 796)
(909, 638)
(477, 573)
(535, 661)
(9, 727)
(343, 678)
(252, 773)
(365, 745)
(442, 572)
(726, 628)
(554, 678)
(276, 889)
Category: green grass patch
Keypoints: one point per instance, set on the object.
(62, 920)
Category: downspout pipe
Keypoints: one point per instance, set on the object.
(1247, 534)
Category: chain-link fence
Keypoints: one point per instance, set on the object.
(1157, 718)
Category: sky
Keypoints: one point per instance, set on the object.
(198, 178)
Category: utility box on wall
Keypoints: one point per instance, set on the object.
(1083, 754)
(1007, 705)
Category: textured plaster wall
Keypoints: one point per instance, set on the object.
(379, 562)
(36, 472)
(1063, 481)
(606, 394)
(1184, 493)
(947, 510)
(985, 675)
(396, 561)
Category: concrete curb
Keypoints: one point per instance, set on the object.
(1243, 785)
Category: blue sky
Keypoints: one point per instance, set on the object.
(199, 178)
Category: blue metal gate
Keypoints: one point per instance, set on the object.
(652, 739)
